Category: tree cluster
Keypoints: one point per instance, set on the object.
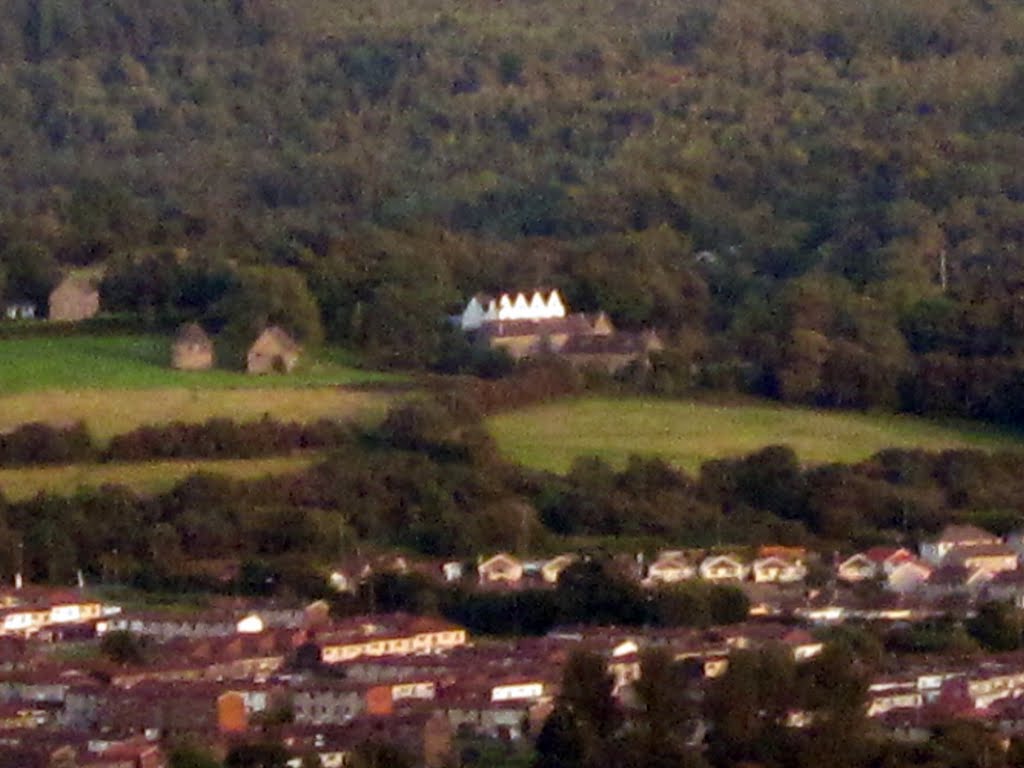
(428, 478)
(221, 438)
(38, 443)
(746, 714)
(588, 592)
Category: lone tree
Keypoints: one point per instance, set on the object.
(124, 648)
(266, 296)
(585, 718)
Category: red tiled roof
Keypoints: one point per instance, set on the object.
(883, 554)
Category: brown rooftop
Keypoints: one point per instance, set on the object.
(959, 534)
(620, 343)
(572, 325)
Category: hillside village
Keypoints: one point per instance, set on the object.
(329, 685)
(87, 681)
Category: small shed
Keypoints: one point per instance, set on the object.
(274, 351)
(74, 299)
(192, 349)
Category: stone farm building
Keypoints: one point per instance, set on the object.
(525, 327)
(612, 351)
(274, 351)
(74, 299)
(192, 349)
(524, 338)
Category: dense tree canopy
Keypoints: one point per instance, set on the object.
(818, 201)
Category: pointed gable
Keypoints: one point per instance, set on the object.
(500, 567)
(492, 310)
(552, 569)
(908, 576)
(775, 568)
(670, 566)
(556, 308)
(857, 563)
(274, 351)
(521, 308)
(603, 325)
(505, 307)
(538, 308)
(888, 555)
(475, 313)
(722, 567)
(192, 349)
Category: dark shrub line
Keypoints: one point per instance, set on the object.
(40, 444)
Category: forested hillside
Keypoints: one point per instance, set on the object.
(817, 199)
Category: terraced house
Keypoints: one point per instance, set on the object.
(399, 635)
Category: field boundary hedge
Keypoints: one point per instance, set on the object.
(40, 444)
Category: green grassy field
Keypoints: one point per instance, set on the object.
(689, 433)
(150, 476)
(116, 383)
(142, 362)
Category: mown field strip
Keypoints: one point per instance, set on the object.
(689, 433)
(148, 477)
(143, 362)
(108, 412)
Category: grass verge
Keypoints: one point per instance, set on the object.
(143, 362)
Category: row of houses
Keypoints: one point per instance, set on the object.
(669, 567)
(773, 565)
(962, 560)
(29, 611)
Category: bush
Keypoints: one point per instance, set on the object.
(38, 443)
(225, 439)
(531, 384)
(94, 326)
